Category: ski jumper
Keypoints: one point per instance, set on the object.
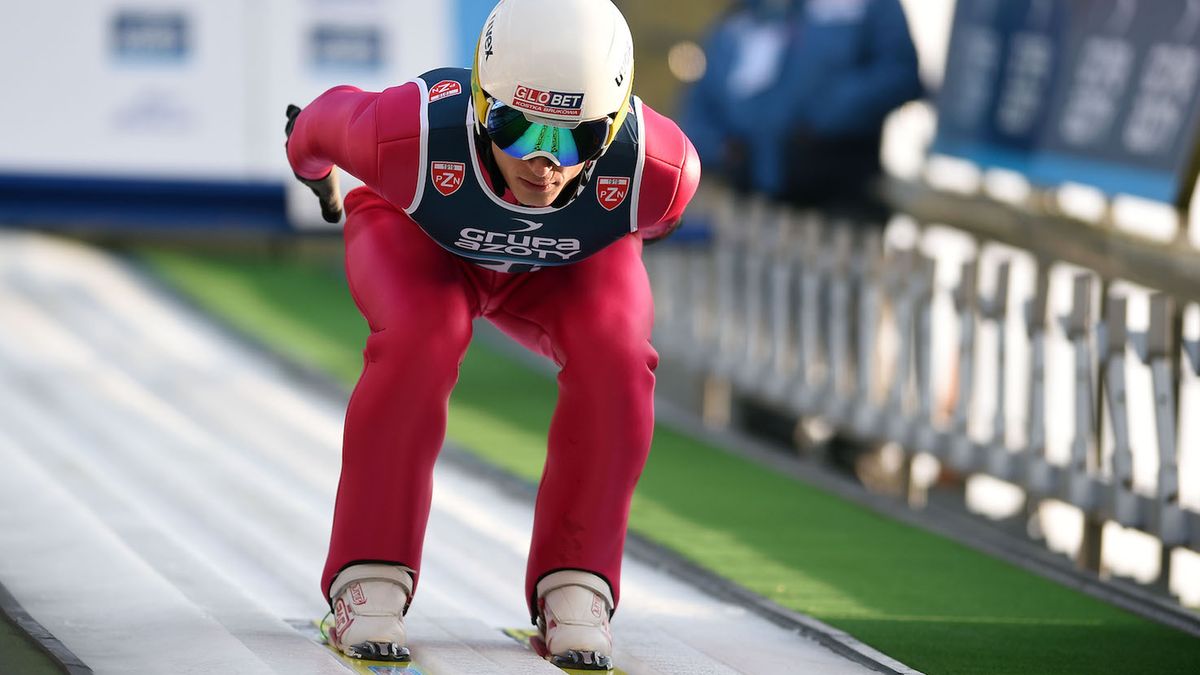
(430, 247)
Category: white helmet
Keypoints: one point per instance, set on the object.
(560, 63)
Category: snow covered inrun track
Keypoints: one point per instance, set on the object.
(166, 494)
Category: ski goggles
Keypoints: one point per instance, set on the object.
(523, 138)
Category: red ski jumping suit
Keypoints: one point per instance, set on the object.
(592, 317)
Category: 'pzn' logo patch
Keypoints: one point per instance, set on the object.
(444, 89)
(611, 192)
(448, 176)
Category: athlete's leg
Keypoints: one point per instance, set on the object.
(594, 319)
(419, 306)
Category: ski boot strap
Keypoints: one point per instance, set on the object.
(397, 574)
(563, 578)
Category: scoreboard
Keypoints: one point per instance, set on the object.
(1100, 92)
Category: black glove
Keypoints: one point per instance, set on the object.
(326, 189)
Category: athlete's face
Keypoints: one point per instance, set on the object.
(537, 181)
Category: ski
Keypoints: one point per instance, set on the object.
(529, 637)
(312, 630)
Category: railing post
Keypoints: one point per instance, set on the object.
(702, 325)
(730, 239)
(909, 278)
(924, 434)
(666, 268)
(753, 267)
(900, 284)
(758, 228)
(995, 309)
(1162, 355)
(867, 266)
(809, 371)
(1191, 349)
(961, 451)
(838, 383)
(780, 364)
(1078, 489)
(1123, 502)
(1038, 473)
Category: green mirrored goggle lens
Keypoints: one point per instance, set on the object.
(517, 136)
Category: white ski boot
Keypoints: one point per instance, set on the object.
(368, 603)
(573, 611)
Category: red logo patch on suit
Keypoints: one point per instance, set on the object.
(444, 89)
(611, 191)
(448, 176)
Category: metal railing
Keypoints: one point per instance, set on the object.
(824, 320)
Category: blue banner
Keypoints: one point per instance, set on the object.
(1125, 119)
(1100, 92)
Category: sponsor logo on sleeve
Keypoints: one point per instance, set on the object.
(611, 191)
(564, 104)
(444, 89)
(447, 176)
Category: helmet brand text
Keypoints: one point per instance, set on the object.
(487, 39)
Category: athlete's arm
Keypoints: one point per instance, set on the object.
(327, 189)
(375, 137)
(669, 176)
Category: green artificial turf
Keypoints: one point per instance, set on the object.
(933, 604)
(18, 654)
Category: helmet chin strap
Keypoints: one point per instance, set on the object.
(581, 183)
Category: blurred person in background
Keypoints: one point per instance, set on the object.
(792, 105)
(520, 190)
(794, 96)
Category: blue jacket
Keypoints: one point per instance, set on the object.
(844, 66)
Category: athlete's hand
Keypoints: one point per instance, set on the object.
(326, 189)
(293, 111)
(328, 193)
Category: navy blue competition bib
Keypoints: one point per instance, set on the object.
(455, 207)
